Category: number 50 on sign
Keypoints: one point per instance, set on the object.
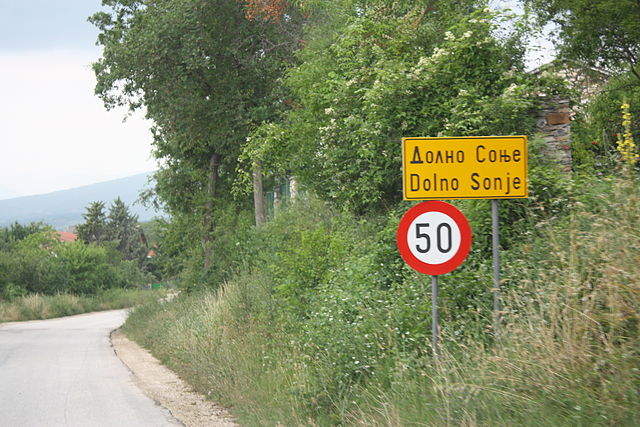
(434, 237)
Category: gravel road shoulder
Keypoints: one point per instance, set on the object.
(166, 388)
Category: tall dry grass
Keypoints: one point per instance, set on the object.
(568, 353)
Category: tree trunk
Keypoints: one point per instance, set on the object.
(207, 221)
(258, 194)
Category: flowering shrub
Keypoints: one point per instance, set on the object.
(625, 144)
(392, 73)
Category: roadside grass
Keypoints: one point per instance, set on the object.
(568, 352)
(37, 307)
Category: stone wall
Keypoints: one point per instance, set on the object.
(554, 119)
(554, 123)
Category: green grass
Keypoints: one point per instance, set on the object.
(569, 352)
(35, 306)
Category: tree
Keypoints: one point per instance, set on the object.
(122, 227)
(94, 228)
(604, 33)
(394, 69)
(206, 75)
(17, 232)
(119, 226)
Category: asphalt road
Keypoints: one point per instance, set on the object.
(63, 372)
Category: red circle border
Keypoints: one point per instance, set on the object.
(465, 237)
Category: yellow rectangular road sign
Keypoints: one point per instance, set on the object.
(479, 167)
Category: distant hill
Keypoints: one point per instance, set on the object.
(62, 209)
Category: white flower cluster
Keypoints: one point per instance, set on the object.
(439, 52)
(511, 90)
(449, 36)
(417, 71)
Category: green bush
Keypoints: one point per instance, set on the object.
(596, 128)
(41, 264)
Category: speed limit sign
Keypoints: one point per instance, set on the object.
(434, 237)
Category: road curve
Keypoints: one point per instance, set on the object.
(63, 372)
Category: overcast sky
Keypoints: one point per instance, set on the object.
(54, 133)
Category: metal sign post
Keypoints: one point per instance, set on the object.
(435, 318)
(495, 230)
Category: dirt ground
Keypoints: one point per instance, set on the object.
(166, 388)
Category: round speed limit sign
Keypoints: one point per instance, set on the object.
(434, 237)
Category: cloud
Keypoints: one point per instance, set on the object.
(54, 133)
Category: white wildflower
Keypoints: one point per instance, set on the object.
(511, 89)
(449, 36)
(438, 52)
(467, 34)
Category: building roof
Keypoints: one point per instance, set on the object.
(65, 236)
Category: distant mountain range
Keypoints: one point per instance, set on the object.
(62, 209)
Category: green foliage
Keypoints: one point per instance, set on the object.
(598, 125)
(605, 33)
(360, 355)
(391, 72)
(180, 252)
(306, 261)
(119, 228)
(16, 232)
(206, 75)
(122, 227)
(94, 228)
(42, 264)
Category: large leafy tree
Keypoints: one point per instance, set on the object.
(603, 33)
(205, 73)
